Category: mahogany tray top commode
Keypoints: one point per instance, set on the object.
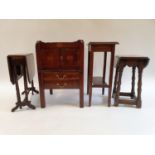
(60, 66)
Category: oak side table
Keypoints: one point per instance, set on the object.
(99, 82)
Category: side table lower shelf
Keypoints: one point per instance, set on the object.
(98, 82)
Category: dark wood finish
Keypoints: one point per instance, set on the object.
(22, 66)
(104, 70)
(135, 62)
(133, 83)
(51, 91)
(100, 81)
(60, 66)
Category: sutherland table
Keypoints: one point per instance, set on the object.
(22, 66)
(60, 66)
(99, 82)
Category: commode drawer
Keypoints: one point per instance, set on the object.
(60, 76)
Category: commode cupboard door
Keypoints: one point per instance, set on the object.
(48, 58)
(70, 59)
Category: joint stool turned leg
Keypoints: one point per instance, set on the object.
(133, 83)
(115, 83)
(111, 76)
(120, 72)
(139, 90)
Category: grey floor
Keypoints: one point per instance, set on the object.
(62, 114)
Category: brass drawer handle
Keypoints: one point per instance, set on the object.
(61, 78)
(61, 86)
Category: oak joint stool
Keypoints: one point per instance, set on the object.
(135, 62)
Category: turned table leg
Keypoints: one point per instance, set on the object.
(139, 90)
(33, 88)
(19, 102)
(120, 72)
(111, 76)
(133, 83)
(115, 82)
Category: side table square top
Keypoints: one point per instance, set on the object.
(101, 46)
